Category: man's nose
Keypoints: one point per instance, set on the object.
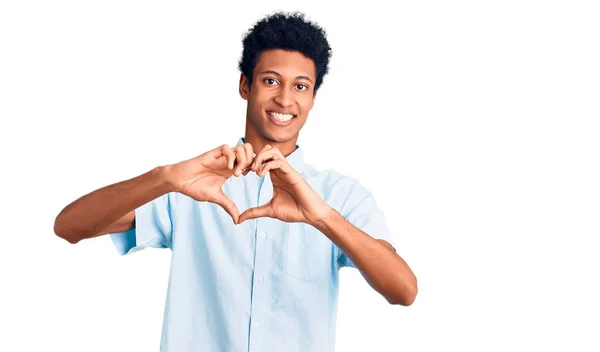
(284, 97)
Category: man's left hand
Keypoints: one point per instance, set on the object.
(293, 198)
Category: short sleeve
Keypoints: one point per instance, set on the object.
(153, 227)
(366, 216)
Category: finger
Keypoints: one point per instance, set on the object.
(228, 154)
(272, 165)
(267, 146)
(249, 154)
(247, 170)
(218, 151)
(240, 154)
(228, 205)
(255, 162)
(253, 213)
(249, 151)
(249, 158)
(265, 156)
(244, 167)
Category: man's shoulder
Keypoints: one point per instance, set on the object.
(328, 175)
(334, 182)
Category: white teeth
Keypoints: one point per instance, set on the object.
(281, 117)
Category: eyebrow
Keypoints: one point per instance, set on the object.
(279, 75)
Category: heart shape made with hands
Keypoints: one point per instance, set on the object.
(293, 199)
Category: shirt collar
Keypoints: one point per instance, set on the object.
(295, 159)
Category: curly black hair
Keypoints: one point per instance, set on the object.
(288, 31)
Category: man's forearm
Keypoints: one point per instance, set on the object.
(90, 214)
(377, 261)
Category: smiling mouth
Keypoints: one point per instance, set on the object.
(280, 117)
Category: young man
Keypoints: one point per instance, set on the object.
(265, 279)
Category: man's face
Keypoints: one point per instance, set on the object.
(282, 85)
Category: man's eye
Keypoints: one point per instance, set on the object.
(301, 87)
(270, 81)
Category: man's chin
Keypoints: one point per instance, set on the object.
(279, 136)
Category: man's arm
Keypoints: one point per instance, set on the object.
(376, 259)
(295, 201)
(111, 208)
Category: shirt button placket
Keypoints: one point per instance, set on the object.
(260, 298)
(260, 288)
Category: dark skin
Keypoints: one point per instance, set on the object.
(283, 82)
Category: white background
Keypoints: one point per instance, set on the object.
(474, 124)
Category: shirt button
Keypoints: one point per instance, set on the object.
(257, 325)
(260, 279)
(263, 235)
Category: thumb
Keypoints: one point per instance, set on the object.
(257, 212)
(227, 204)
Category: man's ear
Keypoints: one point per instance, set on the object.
(312, 103)
(244, 87)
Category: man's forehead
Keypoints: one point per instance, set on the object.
(289, 64)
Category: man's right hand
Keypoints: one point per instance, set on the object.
(202, 177)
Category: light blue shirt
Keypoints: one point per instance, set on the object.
(262, 286)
